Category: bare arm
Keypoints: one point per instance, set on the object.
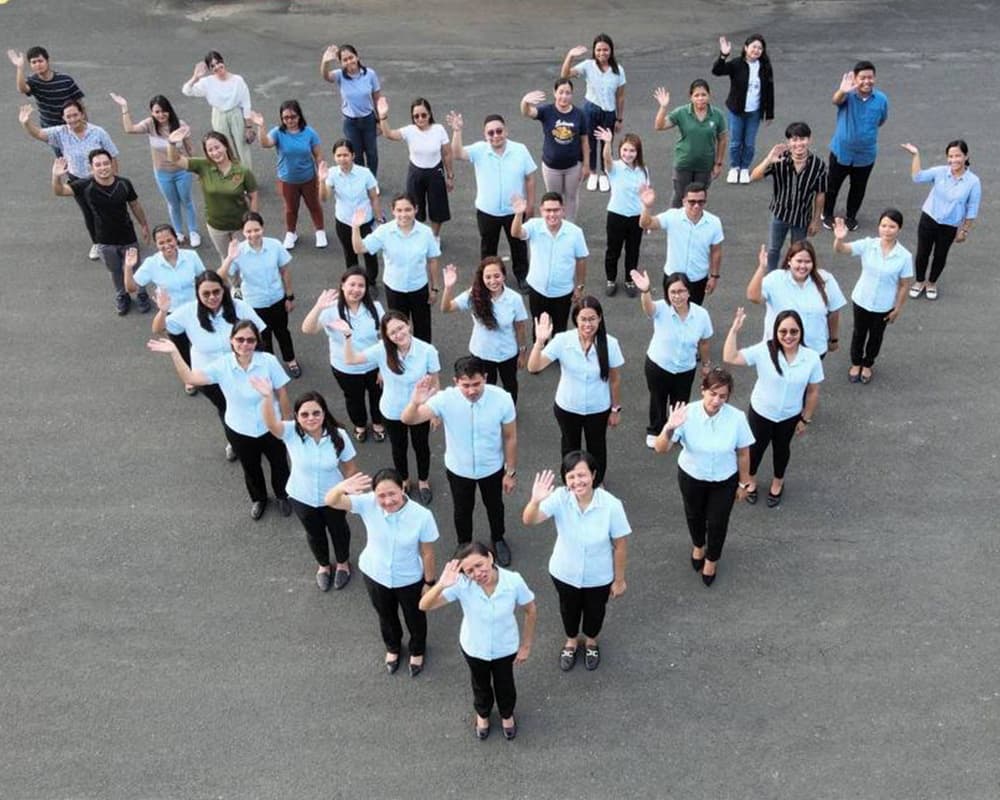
(755, 289)
(529, 192)
(619, 547)
(508, 432)
(427, 557)
(528, 634)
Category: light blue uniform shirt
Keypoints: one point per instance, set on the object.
(261, 271)
(364, 333)
(242, 400)
(601, 86)
(880, 275)
(689, 244)
(710, 443)
(295, 153)
(489, 627)
(405, 255)
(207, 346)
(952, 200)
(392, 552)
(583, 555)
(552, 258)
(473, 431)
(356, 92)
(625, 182)
(674, 346)
(350, 192)
(779, 397)
(177, 281)
(499, 343)
(396, 389)
(499, 176)
(581, 390)
(855, 139)
(315, 465)
(782, 293)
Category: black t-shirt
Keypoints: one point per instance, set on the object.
(109, 205)
(563, 145)
(51, 95)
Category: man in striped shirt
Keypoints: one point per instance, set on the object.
(799, 189)
(51, 89)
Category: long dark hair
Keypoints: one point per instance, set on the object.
(173, 121)
(773, 344)
(391, 350)
(366, 298)
(765, 61)
(482, 302)
(800, 246)
(291, 105)
(603, 37)
(330, 422)
(421, 101)
(228, 307)
(362, 69)
(601, 337)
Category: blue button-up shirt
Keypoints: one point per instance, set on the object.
(710, 442)
(473, 431)
(356, 91)
(689, 244)
(583, 555)
(951, 200)
(580, 389)
(207, 346)
(674, 346)
(315, 465)
(392, 552)
(552, 257)
(489, 627)
(177, 280)
(499, 343)
(499, 176)
(76, 149)
(261, 271)
(364, 334)
(855, 139)
(350, 192)
(780, 397)
(782, 292)
(880, 275)
(405, 255)
(243, 413)
(625, 182)
(422, 359)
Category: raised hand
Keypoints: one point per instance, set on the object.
(847, 82)
(762, 258)
(358, 483)
(340, 325)
(777, 152)
(911, 149)
(839, 228)
(518, 203)
(603, 134)
(332, 53)
(662, 96)
(179, 135)
(738, 319)
(200, 69)
(261, 385)
(383, 106)
(646, 195)
(16, 58)
(579, 50)
(423, 390)
(119, 101)
(450, 276)
(724, 46)
(24, 113)
(131, 257)
(161, 346)
(358, 217)
(454, 120)
(256, 118)
(543, 327)
(450, 574)
(327, 299)
(678, 415)
(640, 279)
(534, 98)
(59, 167)
(234, 249)
(543, 485)
(162, 299)
(323, 171)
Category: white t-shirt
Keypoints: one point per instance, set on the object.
(425, 146)
(753, 87)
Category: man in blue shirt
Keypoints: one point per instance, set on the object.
(480, 444)
(861, 111)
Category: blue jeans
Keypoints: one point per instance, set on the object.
(742, 137)
(176, 190)
(597, 117)
(776, 239)
(360, 131)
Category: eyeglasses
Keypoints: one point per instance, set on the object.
(421, 115)
(494, 132)
(245, 339)
(289, 116)
(307, 414)
(678, 292)
(696, 202)
(788, 331)
(206, 293)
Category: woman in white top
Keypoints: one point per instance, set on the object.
(229, 97)
(174, 182)
(431, 174)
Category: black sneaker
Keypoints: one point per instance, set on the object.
(122, 304)
(611, 288)
(851, 223)
(630, 289)
(522, 285)
(827, 222)
(142, 303)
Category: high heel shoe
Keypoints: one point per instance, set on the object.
(392, 666)
(774, 500)
(707, 579)
(481, 733)
(697, 563)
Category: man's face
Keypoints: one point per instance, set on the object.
(471, 386)
(694, 204)
(39, 65)
(865, 81)
(798, 146)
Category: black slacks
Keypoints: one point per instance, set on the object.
(276, 318)
(837, 173)
(933, 237)
(707, 506)
(388, 603)
(355, 388)
(622, 231)
(776, 434)
(399, 432)
(317, 521)
(582, 608)
(250, 450)
(866, 340)
(507, 372)
(557, 308)
(415, 306)
(350, 257)
(665, 389)
(489, 241)
(573, 427)
(492, 680)
(463, 494)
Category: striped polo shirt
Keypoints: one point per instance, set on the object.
(795, 192)
(52, 95)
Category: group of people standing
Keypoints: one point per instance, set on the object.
(221, 324)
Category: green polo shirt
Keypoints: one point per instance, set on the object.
(225, 195)
(695, 149)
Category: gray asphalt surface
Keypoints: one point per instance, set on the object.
(157, 644)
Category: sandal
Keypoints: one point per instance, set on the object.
(361, 434)
(916, 290)
(378, 435)
(932, 293)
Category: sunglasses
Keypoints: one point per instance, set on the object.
(210, 293)
(245, 339)
(494, 132)
(788, 332)
(421, 115)
(696, 202)
(307, 414)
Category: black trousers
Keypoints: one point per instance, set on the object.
(217, 399)
(665, 389)
(707, 506)
(489, 241)
(420, 436)
(387, 604)
(582, 609)
(463, 494)
(557, 308)
(317, 521)
(428, 187)
(697, 291)
(866, 341)
(355, 389)
(778, 435)
(415, 306)
(573, 427)
(507, 372)
(183, 345)
(88, 214)
(276, 319)
(492, 680)
(932, 237)
(622, 231)
(350, 257)
(250, 450)
(837, 174)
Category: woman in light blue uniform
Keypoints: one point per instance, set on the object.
(627, 174)
(353, 188)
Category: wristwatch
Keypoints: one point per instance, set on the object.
(616, 409)
(430, 582)
(512, 473)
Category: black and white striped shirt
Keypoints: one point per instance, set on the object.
(51, 95)
(795, 192)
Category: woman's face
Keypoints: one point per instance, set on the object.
(290, 119)
(715, 397)
(344, 157)
(564, 95)
(166, 243)
(700, 97)
(494, 279)
(389, 496)
(956, 159)
(310, 416)
(404, 213)
(353, 288)
(254, 233)
(800, 265)
(789, 333)
(587, 322)
(217, 67)
(628, 153)
(754, 50)
(349, 62)
(580, 480)
(477, 568)
(210, 293)
(678, 295)
(421, 116)
(887, 229)
(398, 333)
(157, 112)
(243, 342)
(602, 52)
(216, 151)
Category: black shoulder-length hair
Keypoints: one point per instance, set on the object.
(330, 422)
(291, 105)
(601, 337)
(482, 302)
(228, 306)
(391, 350)
(774, 344)
(173, 121)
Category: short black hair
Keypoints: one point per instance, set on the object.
(861, 66)
(799, 130)
(467, 366)
(36, 51)
(551, 196)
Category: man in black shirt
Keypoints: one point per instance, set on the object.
(110, 198)
(51, 89)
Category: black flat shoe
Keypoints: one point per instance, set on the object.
(567, 658)
(392, 666)
(697, 563)
(257, 509)
(751, 497)
(774, 500)
(481, 733)
(416, 669)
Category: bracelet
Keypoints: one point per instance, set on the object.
(833, 341)
(618, 119)
(512, 473)
(616, 409)
(435, 289)
(715, 276)
(806, 421)
(383, 119)
(290, 297)
(646, 291)
(430, 582)
(348, 335)
(522, 348)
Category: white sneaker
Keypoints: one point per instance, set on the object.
(603, 183)
(650, 441)
(733, 175)
(290, 240)
(592, 183)
(195, 239)
(230, 453)
(95, 252)
(744, 176)
(321, 239)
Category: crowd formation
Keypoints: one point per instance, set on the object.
(221, 324)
